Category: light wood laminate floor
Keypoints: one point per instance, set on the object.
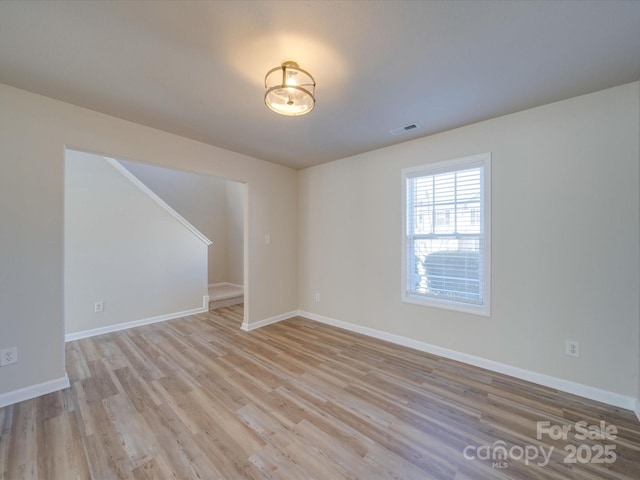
(197, 398)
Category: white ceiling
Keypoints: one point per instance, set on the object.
(197, 68)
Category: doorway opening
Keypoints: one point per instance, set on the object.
(214, 206)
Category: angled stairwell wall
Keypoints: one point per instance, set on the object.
(213, 205)
(126, 248)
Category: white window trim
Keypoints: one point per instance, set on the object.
(484, 160)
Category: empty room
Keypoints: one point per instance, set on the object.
(319, 239)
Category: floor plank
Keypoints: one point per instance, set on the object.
(198, 398)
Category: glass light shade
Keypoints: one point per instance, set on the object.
(290, 90)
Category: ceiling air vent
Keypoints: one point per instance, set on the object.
(405, 129)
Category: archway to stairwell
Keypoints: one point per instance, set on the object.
(215, 206)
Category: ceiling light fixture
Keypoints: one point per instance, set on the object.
(290, 90)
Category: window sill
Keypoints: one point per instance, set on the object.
(482, 310)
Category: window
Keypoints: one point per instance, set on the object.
(446, 258)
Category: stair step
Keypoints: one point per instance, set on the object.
(226, 302)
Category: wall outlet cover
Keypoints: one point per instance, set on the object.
(8, 356)
(572, 348)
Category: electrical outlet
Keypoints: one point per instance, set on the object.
(572, 348)
(98, 307)
(317, 297)
(8, 356)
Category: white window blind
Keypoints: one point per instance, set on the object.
(446, 242)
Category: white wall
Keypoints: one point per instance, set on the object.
(115, 231)
(34, 131)
(204, 201)
(234, 230)
(565, 233)
(637, 409)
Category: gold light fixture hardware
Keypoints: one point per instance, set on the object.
(290, 90)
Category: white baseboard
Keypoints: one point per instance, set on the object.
(34, 391)
(268, 321)
(586, 391)
(137, 323)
